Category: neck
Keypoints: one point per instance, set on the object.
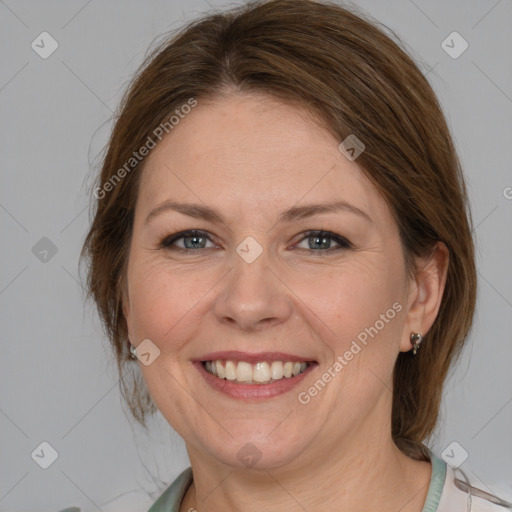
(356, 478)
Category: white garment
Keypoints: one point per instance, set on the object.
(457, 496)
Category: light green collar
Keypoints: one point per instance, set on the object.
(437, 479)
(172, 497)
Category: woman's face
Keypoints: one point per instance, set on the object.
(256, 286)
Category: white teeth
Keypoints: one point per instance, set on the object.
(260, 373)
(230, 370)
(276, 370)
(220, 370)
(243, 371)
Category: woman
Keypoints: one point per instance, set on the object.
(282, 240)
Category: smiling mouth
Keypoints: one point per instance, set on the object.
(259, 373)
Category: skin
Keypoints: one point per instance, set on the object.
(251, 158)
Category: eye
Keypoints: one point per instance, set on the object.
(192, 240)
(318, 241)
(321, 242)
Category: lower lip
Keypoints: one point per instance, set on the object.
(252, 391)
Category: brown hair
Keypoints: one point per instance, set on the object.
(356, 80)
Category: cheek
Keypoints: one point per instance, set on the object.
(354, 296)
(360, 307)
(342, 303)
(163, 300)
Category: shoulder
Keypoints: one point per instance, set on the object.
(170, 500)
(460, 495)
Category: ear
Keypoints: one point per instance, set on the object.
(425, 294)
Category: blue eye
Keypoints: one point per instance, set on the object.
(194, 240)
(320, 242)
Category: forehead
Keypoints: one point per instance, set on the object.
(252, 150)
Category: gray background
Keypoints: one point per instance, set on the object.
(57, 379)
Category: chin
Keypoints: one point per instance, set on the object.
(257, 452)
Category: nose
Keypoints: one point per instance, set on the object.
(253, 297)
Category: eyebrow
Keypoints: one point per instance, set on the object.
(199, 211)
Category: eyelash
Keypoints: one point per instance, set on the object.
(167, 242)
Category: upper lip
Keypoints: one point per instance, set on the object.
(255, 357)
